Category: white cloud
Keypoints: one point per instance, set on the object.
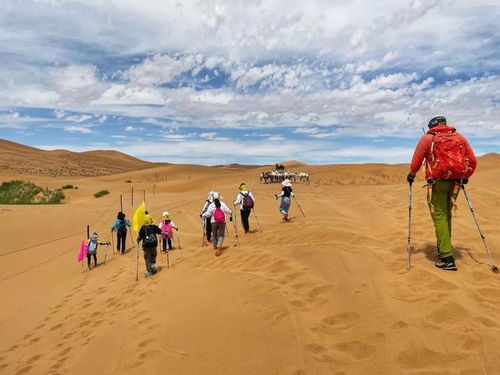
(78, 118)
(159, 69)
(78, 129)
(370, 68)
(75, 78)
(208, 135)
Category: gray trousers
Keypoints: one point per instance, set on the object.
(218, 230)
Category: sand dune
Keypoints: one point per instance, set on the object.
(328, 293)
(17, 158)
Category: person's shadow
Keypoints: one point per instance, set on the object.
(431, 252)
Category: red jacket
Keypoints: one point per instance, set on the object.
(423, 151)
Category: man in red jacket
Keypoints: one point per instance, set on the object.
(449, 162)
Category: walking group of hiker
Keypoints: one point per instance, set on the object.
(449, 163)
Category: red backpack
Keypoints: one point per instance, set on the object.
(219, 216)
(447, 160)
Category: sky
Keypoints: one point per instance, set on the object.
(248, 81)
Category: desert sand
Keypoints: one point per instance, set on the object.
(328, 293)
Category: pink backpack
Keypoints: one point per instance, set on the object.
(166, 227)
(219, 216)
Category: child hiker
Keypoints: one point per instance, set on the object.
(286, 193)
(207, 225)
(120, 226)
(147, 234)
(92, 245)
(215, 212)
(166, 225)
(246, 202)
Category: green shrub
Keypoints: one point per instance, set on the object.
(21, 192)
(101, 193)
(69, 187)
(128, 181)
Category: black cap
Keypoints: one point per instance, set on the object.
(436, 121)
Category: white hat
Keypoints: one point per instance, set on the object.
(166, 213)
(216, 195)
(286, 182)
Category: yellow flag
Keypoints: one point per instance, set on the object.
(138, 218)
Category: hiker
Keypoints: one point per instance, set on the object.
(120, 226)
(166, 225)
(449, 162)
(207, 225)
(246, 201)
(92, 245)
(147, 234)
(215, 212)
(286, 193)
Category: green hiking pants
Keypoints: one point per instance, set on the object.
(440, 207)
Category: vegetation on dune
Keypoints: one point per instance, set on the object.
(69, 187)
(21, 192)
(101, 193)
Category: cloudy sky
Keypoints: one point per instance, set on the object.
(248, 81)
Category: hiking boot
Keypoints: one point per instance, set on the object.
(218, 251)
(147, 274)
(447, 263)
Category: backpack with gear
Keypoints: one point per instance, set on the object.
(247, 202)
(150, 239)
(448, 160)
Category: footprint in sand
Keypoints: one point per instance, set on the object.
(148, 354)
(33, 359)
(400, 325)
(356, 349)
(84, 324)
(342, 321)
(314, 292)
(315, 348)
(24, 370)
(65, 351)
(56, 327)
(448, 313)
(144, 343)
(486, 322)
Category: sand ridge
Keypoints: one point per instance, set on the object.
(328, 293)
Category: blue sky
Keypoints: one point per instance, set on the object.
(214, 82)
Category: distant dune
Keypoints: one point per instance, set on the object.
(16, 158)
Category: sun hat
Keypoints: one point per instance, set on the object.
(216, 195)
(148, 220)
(286, 182)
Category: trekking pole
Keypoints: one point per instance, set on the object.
(168, 260)
(494, 268)
(113, 242)
(257, 220)
(179, 240)
(298, 204)
(203, 228)
(106, 253)
(236, 233)
(137, 265)
(409, 225)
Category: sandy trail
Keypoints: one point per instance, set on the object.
(328, 293)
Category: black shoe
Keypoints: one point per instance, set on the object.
(447, 263)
